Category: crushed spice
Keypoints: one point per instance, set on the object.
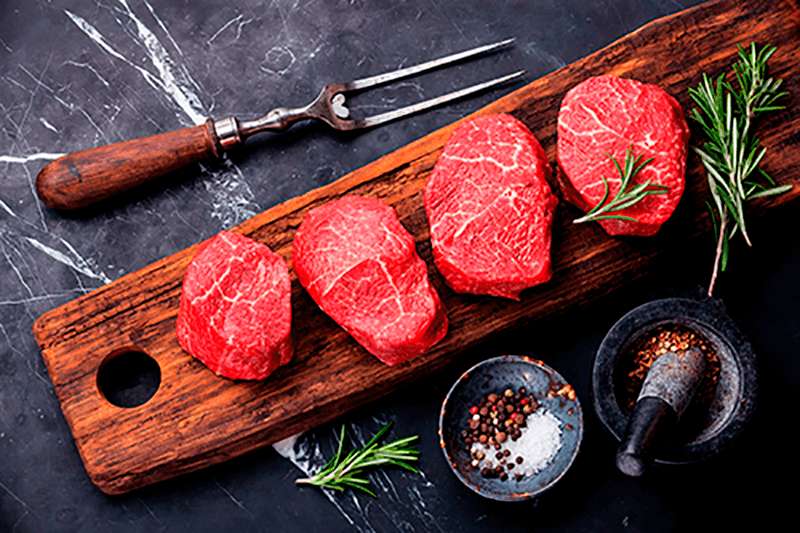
(635, 362)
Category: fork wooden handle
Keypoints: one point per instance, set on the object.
(82, 178)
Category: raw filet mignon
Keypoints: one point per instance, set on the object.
(235, 312)
(606, 115)
(360, 265)
(490, 208)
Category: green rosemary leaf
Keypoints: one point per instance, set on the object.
(609, 217)
(732, 155)
(766, 176)
(724, 259)
(625, 197)
(772, 192)
(602, 200)
(712, 215)
(335, 458)
(339, 474)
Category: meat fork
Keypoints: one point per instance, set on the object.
(82, 178)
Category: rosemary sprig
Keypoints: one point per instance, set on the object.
(340, 474)
(624, 197)
(732, 155)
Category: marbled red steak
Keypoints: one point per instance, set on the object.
(360, 265)
(606, 115)
(235, 312)
(490, 208)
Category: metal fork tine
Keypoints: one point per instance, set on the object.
(328, 106)
(415, 108)
(380, 79)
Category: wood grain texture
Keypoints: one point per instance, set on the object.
(82, 178)
(197, 419)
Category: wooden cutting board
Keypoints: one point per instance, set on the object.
(196, 419)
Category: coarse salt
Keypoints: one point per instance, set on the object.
(539, 442)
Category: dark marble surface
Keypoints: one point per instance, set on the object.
(75, 74)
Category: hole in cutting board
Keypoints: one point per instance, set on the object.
(128, 378)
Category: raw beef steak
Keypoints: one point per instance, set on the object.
(608, 115)
(360, 265)
(490, 208)
(235, 313)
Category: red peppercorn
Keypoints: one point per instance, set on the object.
(473, 410)
(524, 401)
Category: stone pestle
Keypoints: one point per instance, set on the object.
(667, 390)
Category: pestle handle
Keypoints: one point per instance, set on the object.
(651, 422)
(82, 178)
(667, 390)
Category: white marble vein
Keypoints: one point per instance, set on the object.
(172, 83)
(238, 21)
(48, 125)
(162, 26)
(7, 48)
(75, 262)
(166, 81)
(6, 208)
(32, 368)
(232, 200)
(90, 68)
(28, 158)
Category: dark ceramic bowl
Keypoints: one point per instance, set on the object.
(705, 429)
(494, 376)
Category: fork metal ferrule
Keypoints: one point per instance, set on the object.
(231, 132)
(228, 132)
